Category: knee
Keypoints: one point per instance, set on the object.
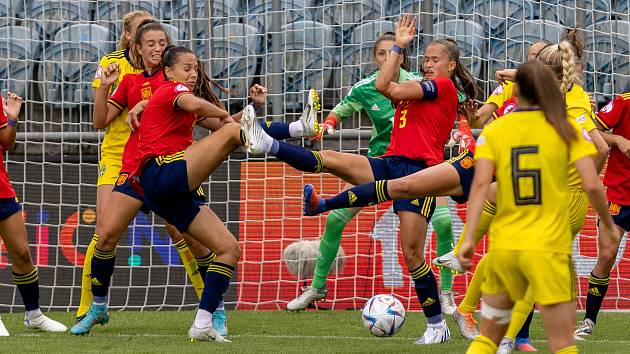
(399, 187)
(413, 255)
(330, 160)
(606, 257)
(21, 257)
(107, 241)
(229, 251)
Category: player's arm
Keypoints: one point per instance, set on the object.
(12, 107)
(133, 116)
(619, 141)
(193, 104)
(602, 149)
(101, 116)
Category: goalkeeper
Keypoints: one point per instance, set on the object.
(364, 96)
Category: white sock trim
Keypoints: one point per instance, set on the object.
(296, 129)
(203, 319)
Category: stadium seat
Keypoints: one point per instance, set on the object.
(173, 32)
(621, 10)
(47, 17)
(307, 59)
(233, 59)
(608, 49)
(442, 9)
(571, 12)
(260, 12)
(470, 37)
(344, 15)
(498, 15)
(110, 13)
(69, 64)
(512, 51)
(195, 20)
(358, 58)
(18, 47)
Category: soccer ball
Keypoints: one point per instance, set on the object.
(383, 315)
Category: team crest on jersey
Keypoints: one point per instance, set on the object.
(181, 88)
(607, 108)
(146, 93)
(467, 162)
(497, 91)
(614, 209)
(122, 178)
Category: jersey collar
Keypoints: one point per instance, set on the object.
(148, 75)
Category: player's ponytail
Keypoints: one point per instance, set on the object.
(577, 42)
(560, 58)
(538, 85)
(391, 36)
(144, 27)
(202, 87)
(462, 78)
(128, 20)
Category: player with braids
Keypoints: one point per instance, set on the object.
(13, 231)
(425, 114)
(530, 238)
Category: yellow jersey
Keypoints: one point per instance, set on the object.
(579, 110)
(531, 170)
(502, 93)
(117, 132)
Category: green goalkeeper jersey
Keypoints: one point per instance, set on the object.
(363, 95)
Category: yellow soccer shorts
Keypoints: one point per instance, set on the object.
(550, 275)
(578, 207)
(108, 170)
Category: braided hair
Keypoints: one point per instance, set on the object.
(561, 59)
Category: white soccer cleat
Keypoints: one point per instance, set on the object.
(309, 116)
(308, 296)
(205, 335)
(447, 302)
(450, 261)
(3, 330)
(506, 346)
(253, 132)
(584, 329)
(434, 334)
(39, 321)
(466, 324)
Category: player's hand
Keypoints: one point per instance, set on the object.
(13, 105)
(624, 145)
(258, 94)
(470, 108)
(406, 30)
(505, 75)
(465, 254)
(110, 74)
(591, 98)
(133, 116)
(327, 127)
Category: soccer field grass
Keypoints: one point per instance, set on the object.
(270, 332)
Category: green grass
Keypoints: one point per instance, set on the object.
(270, 332)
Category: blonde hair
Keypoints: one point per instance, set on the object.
(128, 20)
(561, 59)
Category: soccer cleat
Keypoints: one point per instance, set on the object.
(309, 116)
(312, 203)
(524, 345)
(39, 321)
(447, 302)
(97, 314)
(253, 132)
(584, 329)
(506, 346)
(78, 318)
(307, 297)
(219, 322)
(435, 333)
(3, 330)
(466, 324)
(196, 334)
(449, 261)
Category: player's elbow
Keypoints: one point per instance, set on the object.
(592, 186)
(602, 151)
(381, 86)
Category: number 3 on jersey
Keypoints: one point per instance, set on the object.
(525, 182)
(403, 119)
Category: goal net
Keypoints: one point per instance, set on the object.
(49, 52)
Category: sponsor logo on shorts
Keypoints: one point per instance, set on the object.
(352, 198)
(614, 209)
(467, 162)
(415, 202)
(101, 170)
(122, 178)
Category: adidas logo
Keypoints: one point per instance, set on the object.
(428, 302)
(352, 198)
(95, 281)
(415, 202)
(594, 292)
(375, 107)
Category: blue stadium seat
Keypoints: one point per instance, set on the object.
(344, 15)
(173, 32)
(233, 59)
(571, 12)
(307, 59)
(111, 13)
(47, 17)
(512, 51)
(442, 9)
(260, 12)
(358, 58)
(18, 49)
(608, 58)
(621, 10)
(69, 64)
(471, 39)
(498, 15)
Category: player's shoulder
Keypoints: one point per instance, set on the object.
(115, 56)
(412, 75)
(368, 80)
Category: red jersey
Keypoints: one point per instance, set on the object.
(422, 127)
(165, 129)
(132, 89)
(615, 116)
(508, 106)
(6, 189)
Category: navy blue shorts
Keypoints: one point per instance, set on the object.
(620, 214)
(464, 163)
(124, 185)
(392, 167)
(8, 207)
(165, 184)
